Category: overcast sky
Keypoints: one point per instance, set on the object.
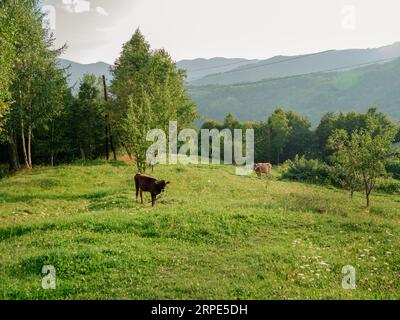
(95, 30)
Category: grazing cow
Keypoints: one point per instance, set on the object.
(145, 183)
(261, 168)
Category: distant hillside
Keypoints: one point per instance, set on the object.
(312, 95)
(282, 66)
(199, 68)
(77, 70)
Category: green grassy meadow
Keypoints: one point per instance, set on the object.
(212, 235)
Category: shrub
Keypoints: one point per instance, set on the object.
(390, 186)
(311, 171)
(393, 168)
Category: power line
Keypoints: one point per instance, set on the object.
(261, 65)
(225, 65)
(318, 72)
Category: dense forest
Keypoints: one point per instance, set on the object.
(43, 122)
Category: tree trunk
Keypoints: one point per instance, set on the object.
(112, 144)
(107, 151)
(90, 152)
(109, 137)
(367, 191)
(30, 146)
(24, 144)
(82, 153)
(13, 152)
(52, 144)
(127, 151)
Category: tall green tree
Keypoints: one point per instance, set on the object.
(86, 119)
(147, 81)
(301, 140)
(7, 54)
(279, 132)
(37, 78)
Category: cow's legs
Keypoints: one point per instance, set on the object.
(137, 195)
(153, 199)
(141, 196)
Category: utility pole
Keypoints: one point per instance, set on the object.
(109, 138)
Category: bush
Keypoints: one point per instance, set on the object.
(390, 186)
(311, 171)
(393, 168)
(3, 171)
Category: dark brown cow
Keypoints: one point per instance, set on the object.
(145, 183)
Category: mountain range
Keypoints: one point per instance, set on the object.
(312, 95)
(312, 84)
(283, 66)
(76, 71)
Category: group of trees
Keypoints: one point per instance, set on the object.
(285, 134)
(34, 86)
(42, 121)
(282, 136)
(359, 157)
(347, 149)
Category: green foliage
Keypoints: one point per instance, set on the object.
(393, 168)
(301, 138)
(362, 153)
(147, 83)
(280, 132)
(86, 119)
(38, 84)
(389, 186)
(349, 122)
(7, 54)
(303, 170)
(138, 122)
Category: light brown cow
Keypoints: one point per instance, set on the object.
(262, 168)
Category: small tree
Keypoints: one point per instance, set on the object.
(343, 171)
(362, 154)
(134, 129)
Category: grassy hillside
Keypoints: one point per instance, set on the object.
(212, 235)
(311, 95)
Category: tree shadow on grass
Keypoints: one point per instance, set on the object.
(97, 163)
(11, 198)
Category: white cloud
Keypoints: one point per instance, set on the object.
(101, 11)
(76, 6)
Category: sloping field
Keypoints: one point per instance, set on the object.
(212, 235)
